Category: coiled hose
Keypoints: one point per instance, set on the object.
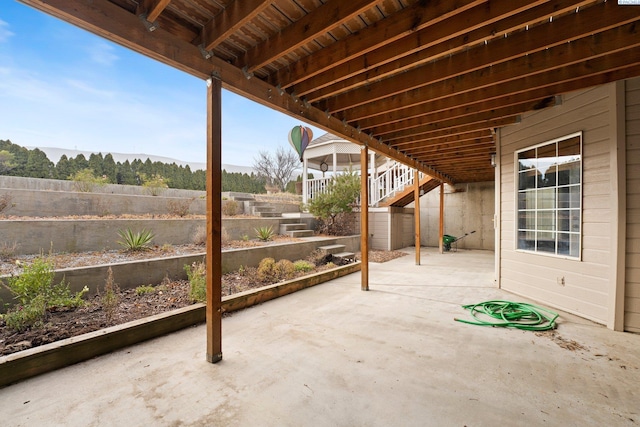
(508, 314)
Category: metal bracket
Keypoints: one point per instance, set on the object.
(206, 54)
(150, 26)
(247, 74)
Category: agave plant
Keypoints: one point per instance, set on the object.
(264, 233)
(135, 241)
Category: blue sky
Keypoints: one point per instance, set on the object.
(61, 86)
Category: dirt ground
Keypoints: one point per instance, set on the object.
(167, 296)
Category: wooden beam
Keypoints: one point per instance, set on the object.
(482, 15)
(376, 71)
(364, 218)
(236, 15)
(618, 66)
(586, 23)
(322, 20)
(153, 8)
(416, 213)
(482, 85)
(497, 108)
(441, 223)
(446, 141)
(110, 21)
(405, 22)
(214, 221)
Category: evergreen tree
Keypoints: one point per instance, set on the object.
(63, 168)
(109, 168)
(38, 165)
(95, 164)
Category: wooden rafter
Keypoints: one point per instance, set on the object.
(328, 16)
(153, 8)
(223, 25)
(538, 39)
(408, 21)
(425, 83)
(479, 21)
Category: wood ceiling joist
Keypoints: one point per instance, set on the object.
(459, 138)
(578, 76)
(235, 16)
(563, 30)
(500, 107)
(429, 135)
(326, 17)
(153, 8)
(485, 84)
(436, 146)
(408, 21)
(116, 24)
(481, 146)
(351, 78)
(479, 21)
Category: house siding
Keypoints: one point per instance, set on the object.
(586, 281)
(632, 261)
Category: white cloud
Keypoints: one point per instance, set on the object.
(5, 33)
(102, 53)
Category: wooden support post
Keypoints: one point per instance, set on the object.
(441, 232)
(214, 220)
(364, 219)
(416, 212)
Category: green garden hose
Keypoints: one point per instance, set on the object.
(518, 315)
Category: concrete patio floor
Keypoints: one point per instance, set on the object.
(333, 355)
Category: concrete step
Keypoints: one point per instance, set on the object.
(269, 214)
(350, 256)
(332, 249)
(257, 209)
(294, 226)
(300, 233)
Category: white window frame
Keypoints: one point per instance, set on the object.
(537, 230)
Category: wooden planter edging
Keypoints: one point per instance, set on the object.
(35, 361)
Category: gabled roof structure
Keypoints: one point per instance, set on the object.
(423, 82)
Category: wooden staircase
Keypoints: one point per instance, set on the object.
(403, 198)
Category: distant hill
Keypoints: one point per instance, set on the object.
(54, 155)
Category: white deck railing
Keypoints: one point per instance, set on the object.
(388, 183)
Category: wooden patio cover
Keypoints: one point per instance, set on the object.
(424, 82)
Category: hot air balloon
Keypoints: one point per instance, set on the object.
(299, 138)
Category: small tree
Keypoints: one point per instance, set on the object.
(340, 197)
(276, 169)
(85, 180)
(155, 185)
(6, 161)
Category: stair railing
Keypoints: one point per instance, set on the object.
(386, 184)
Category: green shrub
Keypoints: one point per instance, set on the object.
(303, 266)
(284, 269)
(36, 293)
(135, 241)
(264, 233)
(85, 180)
(197, 274)
(145, 289)
(154, 185)
(230, 208)
(266, 271)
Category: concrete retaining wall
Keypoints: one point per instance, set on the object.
(38, 203)
(35, 236)
(129, 275)
(41, 184)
